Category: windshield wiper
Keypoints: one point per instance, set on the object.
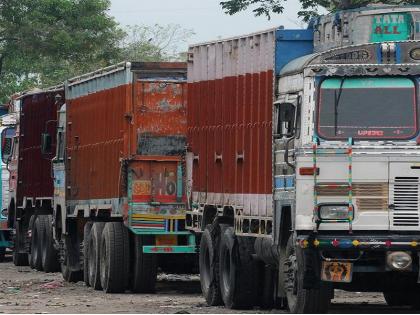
(336, 103)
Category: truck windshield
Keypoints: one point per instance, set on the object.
(367, 108)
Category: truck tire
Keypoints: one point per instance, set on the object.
(94, 255)
(49, 255)
(86, 236)
(19, 258)
(2, 253)
(237, 270)
(144, 272)
(209, 264)
(36, 250)
(70, 249)
(28, 238)
(114, 258)
(268, 276)
(301, 300)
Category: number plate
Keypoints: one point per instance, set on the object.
(337, 271)
(166, 240)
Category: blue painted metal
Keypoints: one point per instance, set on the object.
(292, 44)
(179, 187)
(379, 53)
(398, 53)
(3, 240)
(191, 248)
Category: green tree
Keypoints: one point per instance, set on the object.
(42, 42)
(309, 7)
(155, 43)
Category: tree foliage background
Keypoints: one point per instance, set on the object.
(309, 7)
(44, 42)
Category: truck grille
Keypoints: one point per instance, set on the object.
(359, 190)
(405, 198)
(369, 196)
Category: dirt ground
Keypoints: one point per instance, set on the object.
(23, 290)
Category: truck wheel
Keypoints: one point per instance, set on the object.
(94, 255)
(144, 266)
(28, 238)
(114, 257)
(301, 300)
(70, 260)
(49, 255)
(2, 253)
(36, 259)
(86, 236)
(397, 298)
(209, 264)
(237, 270)
(19, 258)
(268, 276)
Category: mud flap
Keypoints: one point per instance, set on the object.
(418, 276)
(312, 269)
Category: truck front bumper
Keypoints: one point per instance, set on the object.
(382, 242)
(190, 248)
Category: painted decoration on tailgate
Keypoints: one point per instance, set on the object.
(154, 182)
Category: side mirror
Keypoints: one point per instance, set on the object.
(286, 120)
(7, 144)
(6, 150)
(46, 143)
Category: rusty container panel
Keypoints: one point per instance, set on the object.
(161, 116)
(38, 115)
(230, 97)
(97, 129)
(117, 114)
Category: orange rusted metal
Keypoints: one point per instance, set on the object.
(135, 115)
(96, 134)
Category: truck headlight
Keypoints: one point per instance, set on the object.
(399, 260)
(333, 212)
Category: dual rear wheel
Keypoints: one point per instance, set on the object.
(43, 254)
(229, 275)
(114, 262)
(228, 272)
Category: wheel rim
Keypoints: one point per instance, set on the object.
(65, 263)
(226, 269)
(91, 258)
(44, 246)
(291, 280)
(34, 250)
(104, 269)
(206, 268)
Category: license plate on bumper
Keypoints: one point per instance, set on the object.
(337, 271)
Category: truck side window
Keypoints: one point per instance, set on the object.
(60, 152)
(6, 144)
(286, 120)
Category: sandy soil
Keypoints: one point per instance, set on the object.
(23, 290)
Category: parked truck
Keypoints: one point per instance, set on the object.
(303, 161)
(119, 194)
(7, 130)
(30, 205)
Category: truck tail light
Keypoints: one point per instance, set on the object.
(308, 171)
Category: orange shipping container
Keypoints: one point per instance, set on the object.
(126, 128)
